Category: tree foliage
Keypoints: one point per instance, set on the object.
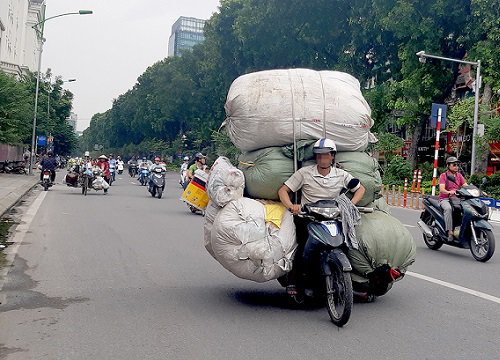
(17, 106)
(374, 40)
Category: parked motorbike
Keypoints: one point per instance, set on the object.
(46, 180)
(326, 266)
(157, 182)
(14, 167)
(470, 221)
(143, 176)
(132, 170)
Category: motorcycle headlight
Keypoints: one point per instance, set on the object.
(329, 213)
(474, 192)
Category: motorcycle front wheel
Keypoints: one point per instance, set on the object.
(339, 296)
(159, 192)
(485, 248)
(432, 242)
(85, 186)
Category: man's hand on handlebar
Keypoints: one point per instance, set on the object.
(294, 209)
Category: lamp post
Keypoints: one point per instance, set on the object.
(38, 27)
(422, 55)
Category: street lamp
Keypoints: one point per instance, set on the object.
(422, 55)
(38, 27)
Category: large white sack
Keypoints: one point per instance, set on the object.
(249, 248)
(211, 212)
(263, 108)
(225, 182)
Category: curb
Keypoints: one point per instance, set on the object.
(16, 198)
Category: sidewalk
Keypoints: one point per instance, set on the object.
(13, 187)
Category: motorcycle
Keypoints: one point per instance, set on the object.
(327, 270)
(132, 170)
(119, 167)
(112, 173)
(98, 182)
(46, 180)
(14, 167)
(143, 176)
(157, 182)
(470, 221)
(86, 180)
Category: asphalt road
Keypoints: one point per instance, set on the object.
(126, 276)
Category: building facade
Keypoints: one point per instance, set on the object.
(186, 32)
(19, 42)
(72, 120)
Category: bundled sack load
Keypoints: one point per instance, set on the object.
(382, 240)
(365, 168)
(267, 108)
(248, 246)
(225, 182)
(265, 172)
(211, 212)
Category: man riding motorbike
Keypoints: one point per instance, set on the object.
(322, 181)
(184, 169)
(112, 166)
(49, 163)
(448, 189)
(102, 163)
(199, 164)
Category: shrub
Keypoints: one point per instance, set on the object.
(492, 186)
(397, 170)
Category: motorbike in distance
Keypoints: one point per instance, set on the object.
(46, 179)
(325, 264)
(112, 173)
(470, 221)
(143, 176)
(119, 167)
(157, 182)
(132, 170)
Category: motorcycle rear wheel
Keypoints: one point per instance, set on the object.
(45, 186)
(339, 295)
(486, 247)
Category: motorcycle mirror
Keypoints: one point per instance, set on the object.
(484, 180)
(451, 178)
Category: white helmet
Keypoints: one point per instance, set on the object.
(186, 158)
(324, 146)
(87, 153)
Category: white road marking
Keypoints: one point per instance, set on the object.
(20, 233)
(455, 287)
(412, 226)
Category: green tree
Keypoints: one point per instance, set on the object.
(15, 110)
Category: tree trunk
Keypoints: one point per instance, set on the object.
(484, 153)
(415, 134)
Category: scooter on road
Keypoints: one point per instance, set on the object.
(470, 221)
(157, 182)
(327, 270)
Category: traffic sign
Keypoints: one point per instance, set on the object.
(42, 140)
(434, 115)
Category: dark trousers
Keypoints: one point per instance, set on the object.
(302, 235)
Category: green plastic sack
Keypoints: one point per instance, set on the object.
(382, 239)
(265, 172)
(365, 168)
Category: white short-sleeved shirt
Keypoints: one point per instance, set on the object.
(316, 186)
